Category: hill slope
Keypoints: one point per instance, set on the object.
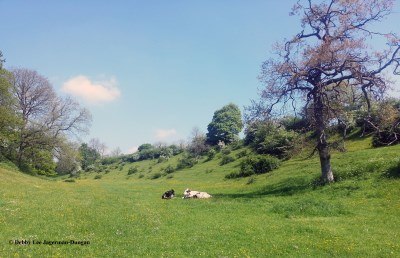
(280, 213)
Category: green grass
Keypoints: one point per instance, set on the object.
(279, 213)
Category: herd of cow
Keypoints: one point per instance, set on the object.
(186, 194)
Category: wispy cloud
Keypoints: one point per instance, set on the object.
(165, 134)
(92, 92)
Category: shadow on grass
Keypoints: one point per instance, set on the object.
(393, 172)
(286, 187)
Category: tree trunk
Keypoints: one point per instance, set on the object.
(322, 144)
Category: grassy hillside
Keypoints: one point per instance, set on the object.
(279, 213)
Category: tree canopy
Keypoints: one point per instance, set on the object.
(226, 125)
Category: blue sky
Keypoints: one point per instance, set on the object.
(147, 70)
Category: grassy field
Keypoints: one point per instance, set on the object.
(280, 213)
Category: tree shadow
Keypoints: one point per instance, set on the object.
(393, 172)
(286, 187)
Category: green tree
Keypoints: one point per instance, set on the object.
(8, 116)
(145, 146)
(68, 159)
(88, 155)
(226, 125)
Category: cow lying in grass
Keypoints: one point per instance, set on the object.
(195, 194)
(168, 194)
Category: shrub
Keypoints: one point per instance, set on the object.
(186, 162)
(211, 154)
(385, 138)
(162, 159)
(133, 170)
(155, 175)
(226, 160)
(268, 138)
(209, 170)
(242, 154)
(141, 176)
(226, 151)
(70, 180)
(298, 124)
(109, 160)
(98, 177)
(236, 145)
(170, 176)
(251, 180)
(259, 164)
(169, 169)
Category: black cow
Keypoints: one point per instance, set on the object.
(168, 194)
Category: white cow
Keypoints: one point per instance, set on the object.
(195, 194)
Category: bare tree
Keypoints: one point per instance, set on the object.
(197, 143)
(116, 152)
(99, 146)
(333, 48)
(47, 118)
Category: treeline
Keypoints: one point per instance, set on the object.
(268, 141)
(38, 131)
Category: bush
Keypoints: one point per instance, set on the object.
(226, 151)
(162, 159)
(98, 177)
(209, 170)
(109, 160)
(133, 170)
(259, 164)
(268, 138)
(155, 175)
(169, 169)
(70, 180)
(186, 162)
(251, 180)
(236, 145)
(211, 154)
(226, 160)
(242, 154)
(298, 124)
(385, 138)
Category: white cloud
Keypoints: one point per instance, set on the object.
(92, 92)
(165, 134)
(132, 150)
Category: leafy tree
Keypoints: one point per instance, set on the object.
(226, 125)
(68, 159)
(145, 146)
(333, 47)
(88, 155)
(8, 117)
